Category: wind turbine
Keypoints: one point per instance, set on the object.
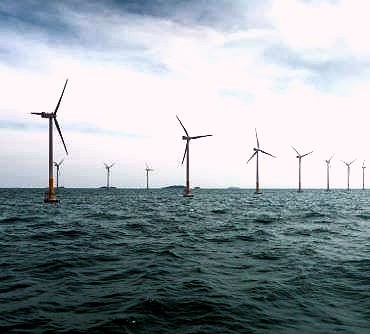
(348, 164)
(108, 167)
(300, 156)
(147, 169)
(327, 172)
(363, 175)
(256, 151)
(187, 191)
(50, 196)
(57, 165)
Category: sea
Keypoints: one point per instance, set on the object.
(224, 261)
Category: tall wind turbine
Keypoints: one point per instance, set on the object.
(187, 191)
(300, 156)
(147, 169)
(108, 167)
(363, 175)
(57, 165)
(256, 151)
(50, 196)
(348, 164)
(327, 173)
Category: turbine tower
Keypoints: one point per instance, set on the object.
(50, 196)
(187, 190)
(256, 151)
(327, 173)
(348, 164)
(57, 165)
(363, 175)
(108, 167)
(300, 156)
(147, 169)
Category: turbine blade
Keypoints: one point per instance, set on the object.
(36, 113)
(112, 165)
(60, 134)
(60, 99)
(146, 165)
(306, 154)
(196, 137)
(267, 153)
(182, 126)
(252, 156)
(352, 162)
(186, 151)
(296, 150)
(331, 158)
(258, 143)
(61, 161)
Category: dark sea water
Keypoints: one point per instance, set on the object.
(225, 261)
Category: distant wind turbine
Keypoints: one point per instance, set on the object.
(300, 156)
(348, 164)
(147, 169)
(187, 191)
(50, 195)
(57, 165)
(327, 173)
(363, 175)
(108, 167)
(256, 151)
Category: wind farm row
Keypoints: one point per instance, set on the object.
(50, 195)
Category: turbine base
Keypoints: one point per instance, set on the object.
(50, 198)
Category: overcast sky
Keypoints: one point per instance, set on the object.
(298, 71)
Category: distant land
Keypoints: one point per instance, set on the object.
(174, 187)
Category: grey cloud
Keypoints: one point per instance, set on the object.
(74, 127)
(321, 68)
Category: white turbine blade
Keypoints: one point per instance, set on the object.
(60, 99)
(106, 166)
(258, 143)
(61, 161)
(60, 134)
(352, 162)
(36, 113)
(296, 150)
(252, 156)
(182, 125)
(331, 158)
(267, 153)
(196, 137)
(306, 154)
(112, 165)
(185, 152)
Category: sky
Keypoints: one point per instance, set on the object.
(297, 71)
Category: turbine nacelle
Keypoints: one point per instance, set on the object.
(44, 114)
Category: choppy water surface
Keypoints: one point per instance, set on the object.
(225, 261)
